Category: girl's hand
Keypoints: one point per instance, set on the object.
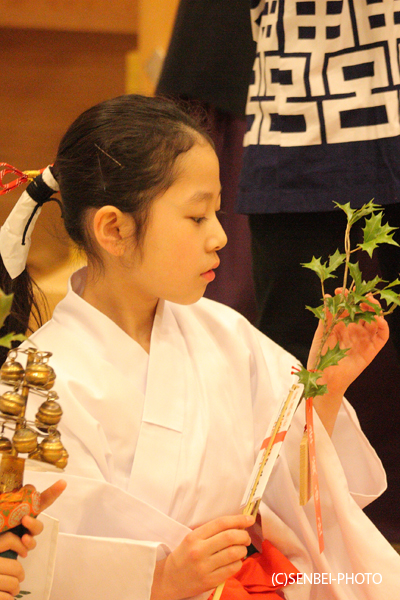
(11, 571)
(363, 341)
(206, 557)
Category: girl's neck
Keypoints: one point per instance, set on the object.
(111, 296)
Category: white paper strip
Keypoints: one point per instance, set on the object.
(269, 453)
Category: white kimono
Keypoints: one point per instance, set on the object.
(162, 443)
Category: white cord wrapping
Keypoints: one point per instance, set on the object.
(13, 253)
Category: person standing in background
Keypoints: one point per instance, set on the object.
(323, 110)
(209, 62)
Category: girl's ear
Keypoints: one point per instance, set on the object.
(112, 228)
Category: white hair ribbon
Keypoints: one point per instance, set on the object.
(15, 234)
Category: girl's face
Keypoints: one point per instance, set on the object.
(183, 235)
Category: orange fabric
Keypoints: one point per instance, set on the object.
(255, 579)
(15, 505)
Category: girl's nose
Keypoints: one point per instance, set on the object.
(218, 238)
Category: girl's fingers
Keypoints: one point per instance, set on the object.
(9, 541)
(12, 575)
(11, 568)
(231, 538)
(10, 587)
(5, 596)
(51, 494)
(35, 526)
(221, 524)
(228, 556)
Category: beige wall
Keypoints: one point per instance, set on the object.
(155, 22)
(57, 60)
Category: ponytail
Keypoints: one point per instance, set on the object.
(15, 237)
(28, 303)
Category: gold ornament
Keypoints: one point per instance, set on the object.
(24, 440)
(12, 403)
(40, 375)
(51, 448)
(5, 445)
(50, 412)
(35, 455)
(36, 377)
(63, 461)
(12, 372)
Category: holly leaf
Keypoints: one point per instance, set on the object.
(366, 315)
(318, 267)
(362, 287)
(358, 299)
(390, 296)
(375, 233)
(7, 340)
(309, 380)
(335, 261)
(395, 282)
(346, 208)
(331, 357)
(356, 274)
(335, 304)
(5, 306)
(318, 312)
(326, 270)
(370, 286)
(354, 215)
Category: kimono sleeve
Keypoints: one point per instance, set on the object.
(103, 568)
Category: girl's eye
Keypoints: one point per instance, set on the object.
(198, 219)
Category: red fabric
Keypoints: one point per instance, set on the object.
(256, 577)
(7, 187)
(23, 177)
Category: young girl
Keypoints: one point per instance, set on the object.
(167, 396)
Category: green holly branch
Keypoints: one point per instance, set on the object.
(349, 305)
(5, 309)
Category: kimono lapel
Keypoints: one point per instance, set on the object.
(159, 446)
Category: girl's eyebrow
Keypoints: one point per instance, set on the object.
(201, 197)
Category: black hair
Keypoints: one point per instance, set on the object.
(121, 152)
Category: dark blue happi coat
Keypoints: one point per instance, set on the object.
(323, 107)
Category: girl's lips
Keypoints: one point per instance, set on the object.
(209, 275)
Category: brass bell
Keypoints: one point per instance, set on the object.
(35, 455)
(12, 403)
(51, 448)
(12, 372)
(40, 375)
(63, 461)
(5, 445)
(24, 440)
(50, 411)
